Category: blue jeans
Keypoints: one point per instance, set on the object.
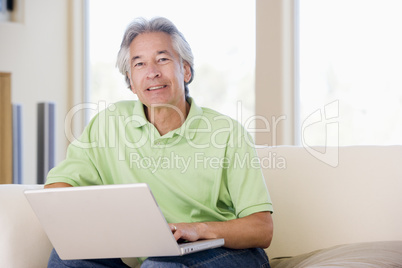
(219, 257)
(216, 258)
(56, 262)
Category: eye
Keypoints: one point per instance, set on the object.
(163, 59)
(138, 64)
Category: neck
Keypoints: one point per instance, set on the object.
(166, 118)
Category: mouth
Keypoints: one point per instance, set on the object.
(155, 88)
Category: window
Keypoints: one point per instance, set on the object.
(350, 66)
(223, 45)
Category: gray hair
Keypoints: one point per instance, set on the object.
(158, 24)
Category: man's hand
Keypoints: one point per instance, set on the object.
(187, 231)
(255, 230)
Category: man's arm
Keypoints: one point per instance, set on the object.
(252, 231)
(58, 185)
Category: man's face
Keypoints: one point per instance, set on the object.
(157, 72)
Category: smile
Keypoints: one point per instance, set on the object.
(154, 88)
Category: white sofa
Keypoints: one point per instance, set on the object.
(339, 207)
(335, 207)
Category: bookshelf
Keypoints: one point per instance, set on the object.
(6, 140)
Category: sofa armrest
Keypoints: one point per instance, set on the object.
(23, 243)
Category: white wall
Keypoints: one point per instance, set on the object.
(37, 50)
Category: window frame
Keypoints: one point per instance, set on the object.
(276, 72)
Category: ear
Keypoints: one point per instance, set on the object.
(187, 72)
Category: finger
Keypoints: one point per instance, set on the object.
(173, 228)
(177, 234)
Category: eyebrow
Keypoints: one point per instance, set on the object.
(135, 58)
(163, 52)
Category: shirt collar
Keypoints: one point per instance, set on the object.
(189, 127)
(138, 112)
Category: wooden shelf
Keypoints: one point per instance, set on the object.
(6, 138)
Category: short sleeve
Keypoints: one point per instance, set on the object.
(79, 167)
(246, 182)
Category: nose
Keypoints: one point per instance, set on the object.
(153, 71)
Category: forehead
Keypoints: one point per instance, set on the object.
(151, 43)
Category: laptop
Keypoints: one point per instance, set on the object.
(108, 221)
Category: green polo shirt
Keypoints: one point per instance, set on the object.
(206, 170)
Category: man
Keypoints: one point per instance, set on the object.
(197, 162)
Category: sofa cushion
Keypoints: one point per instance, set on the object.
(369, 254)
(23, 242)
